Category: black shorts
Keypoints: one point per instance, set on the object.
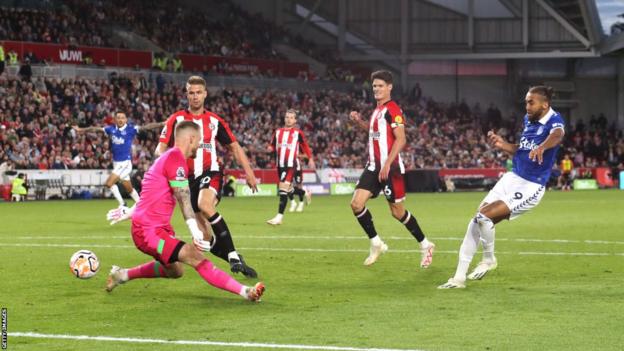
(393, 188)
(286, 174)
(212, 180)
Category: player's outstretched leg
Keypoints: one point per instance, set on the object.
(216, 277)
(153, 269)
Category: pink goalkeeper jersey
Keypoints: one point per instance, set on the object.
(157, 202)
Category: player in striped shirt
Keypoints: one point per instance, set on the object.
(384, 170)
(286, 143)
(205, 172)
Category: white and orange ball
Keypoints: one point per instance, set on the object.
(84, 264)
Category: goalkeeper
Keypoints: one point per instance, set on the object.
(164, 183)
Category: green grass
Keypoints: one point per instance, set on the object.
(531, 302)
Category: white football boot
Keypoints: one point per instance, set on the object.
(482, 268)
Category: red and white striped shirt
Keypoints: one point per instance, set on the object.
(212, 128)
(286, 143)
(380, 137)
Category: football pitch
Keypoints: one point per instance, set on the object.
(559, 284)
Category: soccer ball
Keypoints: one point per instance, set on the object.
(84, 264)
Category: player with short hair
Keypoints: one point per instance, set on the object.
(517, 191)
(121, 136)
(286, 143)
(205, 172)
(165, 183)
(384, 170)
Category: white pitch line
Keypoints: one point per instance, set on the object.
(326, 237)
(305, 249)
(198, 342)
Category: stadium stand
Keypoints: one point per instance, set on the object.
(36, 119)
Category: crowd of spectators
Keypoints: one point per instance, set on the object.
(226, 30)
(77, 23)
(36, 119)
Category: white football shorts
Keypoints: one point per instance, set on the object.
(122, 169)
(519, 194)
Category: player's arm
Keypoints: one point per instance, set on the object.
(165, 137)
(88, 129)
(241, 158)
(356, 118)
(498, 142)
(151, 125)
(553, 139)
(397, 146)
(182, 194)
(303, 145)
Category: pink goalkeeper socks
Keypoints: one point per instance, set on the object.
(148, 270)
(218, 278)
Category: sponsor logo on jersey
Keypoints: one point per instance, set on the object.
(526, 144)
(117, 140)
(287, 146)
(374, 135)
(205, 146)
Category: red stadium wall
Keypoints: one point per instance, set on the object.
(143, 59)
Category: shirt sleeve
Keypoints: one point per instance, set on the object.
(303, 144)
(556, 122)
(176, 170)
(108, 130)
(224, 133)
(167, 131)
(394, 115)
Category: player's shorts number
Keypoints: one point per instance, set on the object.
(518, 195)
(283, 176)
(205, 180)
(387, 190)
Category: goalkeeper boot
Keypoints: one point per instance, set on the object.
(255, 293)
(116, 277)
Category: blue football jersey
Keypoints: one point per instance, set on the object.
(533, 135)
(121, 141)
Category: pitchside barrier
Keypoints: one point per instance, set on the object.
(46, 184)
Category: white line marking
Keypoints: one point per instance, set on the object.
(198, 342)
(337, 237)
(305, 249)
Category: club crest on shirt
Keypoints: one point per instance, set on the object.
(540, 130)
(180, 174)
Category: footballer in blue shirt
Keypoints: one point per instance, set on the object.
(121, 136)
(517, 191)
